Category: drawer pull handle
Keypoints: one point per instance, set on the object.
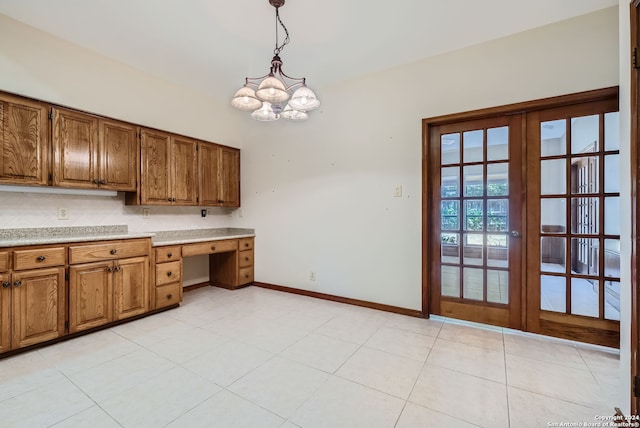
(6, 284)
(246, 244)
(41, 258)
(246, 275)
(170, 255)
(213, 247)
(169, 296)
(169, 273)
(246, 258)
(17, 283)
(114, 251)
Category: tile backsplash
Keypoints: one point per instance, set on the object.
(20, 210)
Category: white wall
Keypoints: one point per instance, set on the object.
(320, 193)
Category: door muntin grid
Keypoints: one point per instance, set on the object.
(579, 216)
(474, 215)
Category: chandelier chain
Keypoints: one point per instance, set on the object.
(286, 40)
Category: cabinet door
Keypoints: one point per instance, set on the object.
(38, 306)
(5, 313)
(24, 141)
(209, 174)
(90, 295)
(156, 158)
(118, 156)
(131, 287)
(184, 170)
(75, 149)
(230, 177)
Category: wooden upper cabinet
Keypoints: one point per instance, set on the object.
(90, 152)
(184, 171)
(219, 175)
(169, 170)
(24, 141)
(75, 149)
(119, 156)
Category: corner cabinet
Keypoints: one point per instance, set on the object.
(90, 152)
(168, 170)
(24, 141)
(219, 174)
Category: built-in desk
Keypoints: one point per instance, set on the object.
(230, 260)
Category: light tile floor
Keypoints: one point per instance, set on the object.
(261, 358)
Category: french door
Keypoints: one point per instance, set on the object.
(521, 215)
(476, 241)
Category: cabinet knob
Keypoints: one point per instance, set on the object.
(246, 244)
(169, 296)
(41, 258)
(96, 181)
(103, 182)
(17, 283)
(169, 199)
(118, 268)
(220, 201)
(246, 258)
(170, 255)
(213, 247)
(246, 275)
(169, 273)
(6, 284)
(110, 269)
(114, 251)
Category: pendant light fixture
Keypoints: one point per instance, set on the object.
(266, 97)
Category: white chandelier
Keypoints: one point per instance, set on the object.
(266, 97)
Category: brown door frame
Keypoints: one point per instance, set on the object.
(427, 189)
(635, 207)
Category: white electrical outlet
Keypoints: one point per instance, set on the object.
(63, 214)
(312, 276)
(145, 213)
(397, 192)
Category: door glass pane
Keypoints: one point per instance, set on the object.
(473, 215)
(498, 215)
(612, 216)
(473, 284)
(612, 300)
(553, 254)
(450, 247)
(553, 215)
(498, 179)
(450, 281)
(498, 143)
(612, 258)
(553, 177)
(585, 214)
(612, 131)
(584, 175)
(585, 134)
(497, 286)
(473, 146)
(612, 174)
(450, 149)
(553, 138)
(473, 248)
(450, 215)
(585, 297)
(498, 250)
(473, 180)
(553, 293)
(584, 256)
(450, 182)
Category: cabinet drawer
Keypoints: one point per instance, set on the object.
(107, 251)
(168, 272)
(245, 258)
(43, 257)
(245, 275)
(168, 295)
(209, 247)
(168, 254)
(4, 261)
(245, 244)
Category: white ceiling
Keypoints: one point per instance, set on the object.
(211, 45)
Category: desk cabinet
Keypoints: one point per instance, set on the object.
(168, 276)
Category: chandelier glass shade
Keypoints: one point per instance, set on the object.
(266, 97)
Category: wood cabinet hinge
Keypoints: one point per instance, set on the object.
(50, 114)
(66, 324)
(634, 58)
(66, 276)
(636, 386)
(50, 177)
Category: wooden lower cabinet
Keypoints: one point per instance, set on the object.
(90, 295)
(131, 287)
(5, 312)
(38, 307)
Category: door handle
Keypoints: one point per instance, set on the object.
(515, 234)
